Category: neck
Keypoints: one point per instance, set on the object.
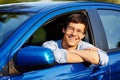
(65, 46)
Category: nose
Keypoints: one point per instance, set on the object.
(74, 32)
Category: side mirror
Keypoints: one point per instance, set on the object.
(33, 58)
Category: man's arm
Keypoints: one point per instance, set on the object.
(92, 55)
(83, 56)
(62, 55)
(73, 58)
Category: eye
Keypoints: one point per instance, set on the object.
(80, 31)
(70, 28)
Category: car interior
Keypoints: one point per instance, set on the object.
(52, 30)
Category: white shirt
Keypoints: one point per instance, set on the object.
(61, 54)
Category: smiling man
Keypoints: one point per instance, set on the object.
(71, 49)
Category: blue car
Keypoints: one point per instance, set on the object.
(25, 26)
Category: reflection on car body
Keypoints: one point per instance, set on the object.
(25, 26)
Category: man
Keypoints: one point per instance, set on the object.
(71, 49)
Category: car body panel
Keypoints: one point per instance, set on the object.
(114, 63)
(58, 72)
(42, 13)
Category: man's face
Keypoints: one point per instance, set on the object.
(73, 34)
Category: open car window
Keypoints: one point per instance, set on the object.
(52, 30)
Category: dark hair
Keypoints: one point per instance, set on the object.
(77, 18)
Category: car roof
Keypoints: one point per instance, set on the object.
(37, 6)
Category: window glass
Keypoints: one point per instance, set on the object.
(111, 22)
(9, 22)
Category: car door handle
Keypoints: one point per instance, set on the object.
(98, 75)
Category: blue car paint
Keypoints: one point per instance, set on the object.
(64, 72)
(43, 17)
(58, 72)
(22, 34)
(114, 63)
(37, 55)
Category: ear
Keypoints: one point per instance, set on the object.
(63, 30)
(82, 36)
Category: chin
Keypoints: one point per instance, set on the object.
(72, 44)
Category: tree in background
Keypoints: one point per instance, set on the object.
(111, 1)
(15, 1)
(18, 1)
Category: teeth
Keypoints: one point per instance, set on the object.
(72, 38)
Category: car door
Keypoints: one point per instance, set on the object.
(109, 24)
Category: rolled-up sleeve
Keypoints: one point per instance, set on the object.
(103, 57)
(59, 54)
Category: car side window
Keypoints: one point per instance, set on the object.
(53, 27)
(6, 23)
(111, 23)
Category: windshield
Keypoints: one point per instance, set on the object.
(9, 22)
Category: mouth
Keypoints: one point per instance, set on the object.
(72, 38)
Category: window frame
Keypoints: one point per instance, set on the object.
(98, 36)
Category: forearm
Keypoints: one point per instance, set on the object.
(73, 58)
(88, 55)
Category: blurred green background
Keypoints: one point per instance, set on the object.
(18, 1)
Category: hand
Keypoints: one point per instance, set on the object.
(93, 49)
